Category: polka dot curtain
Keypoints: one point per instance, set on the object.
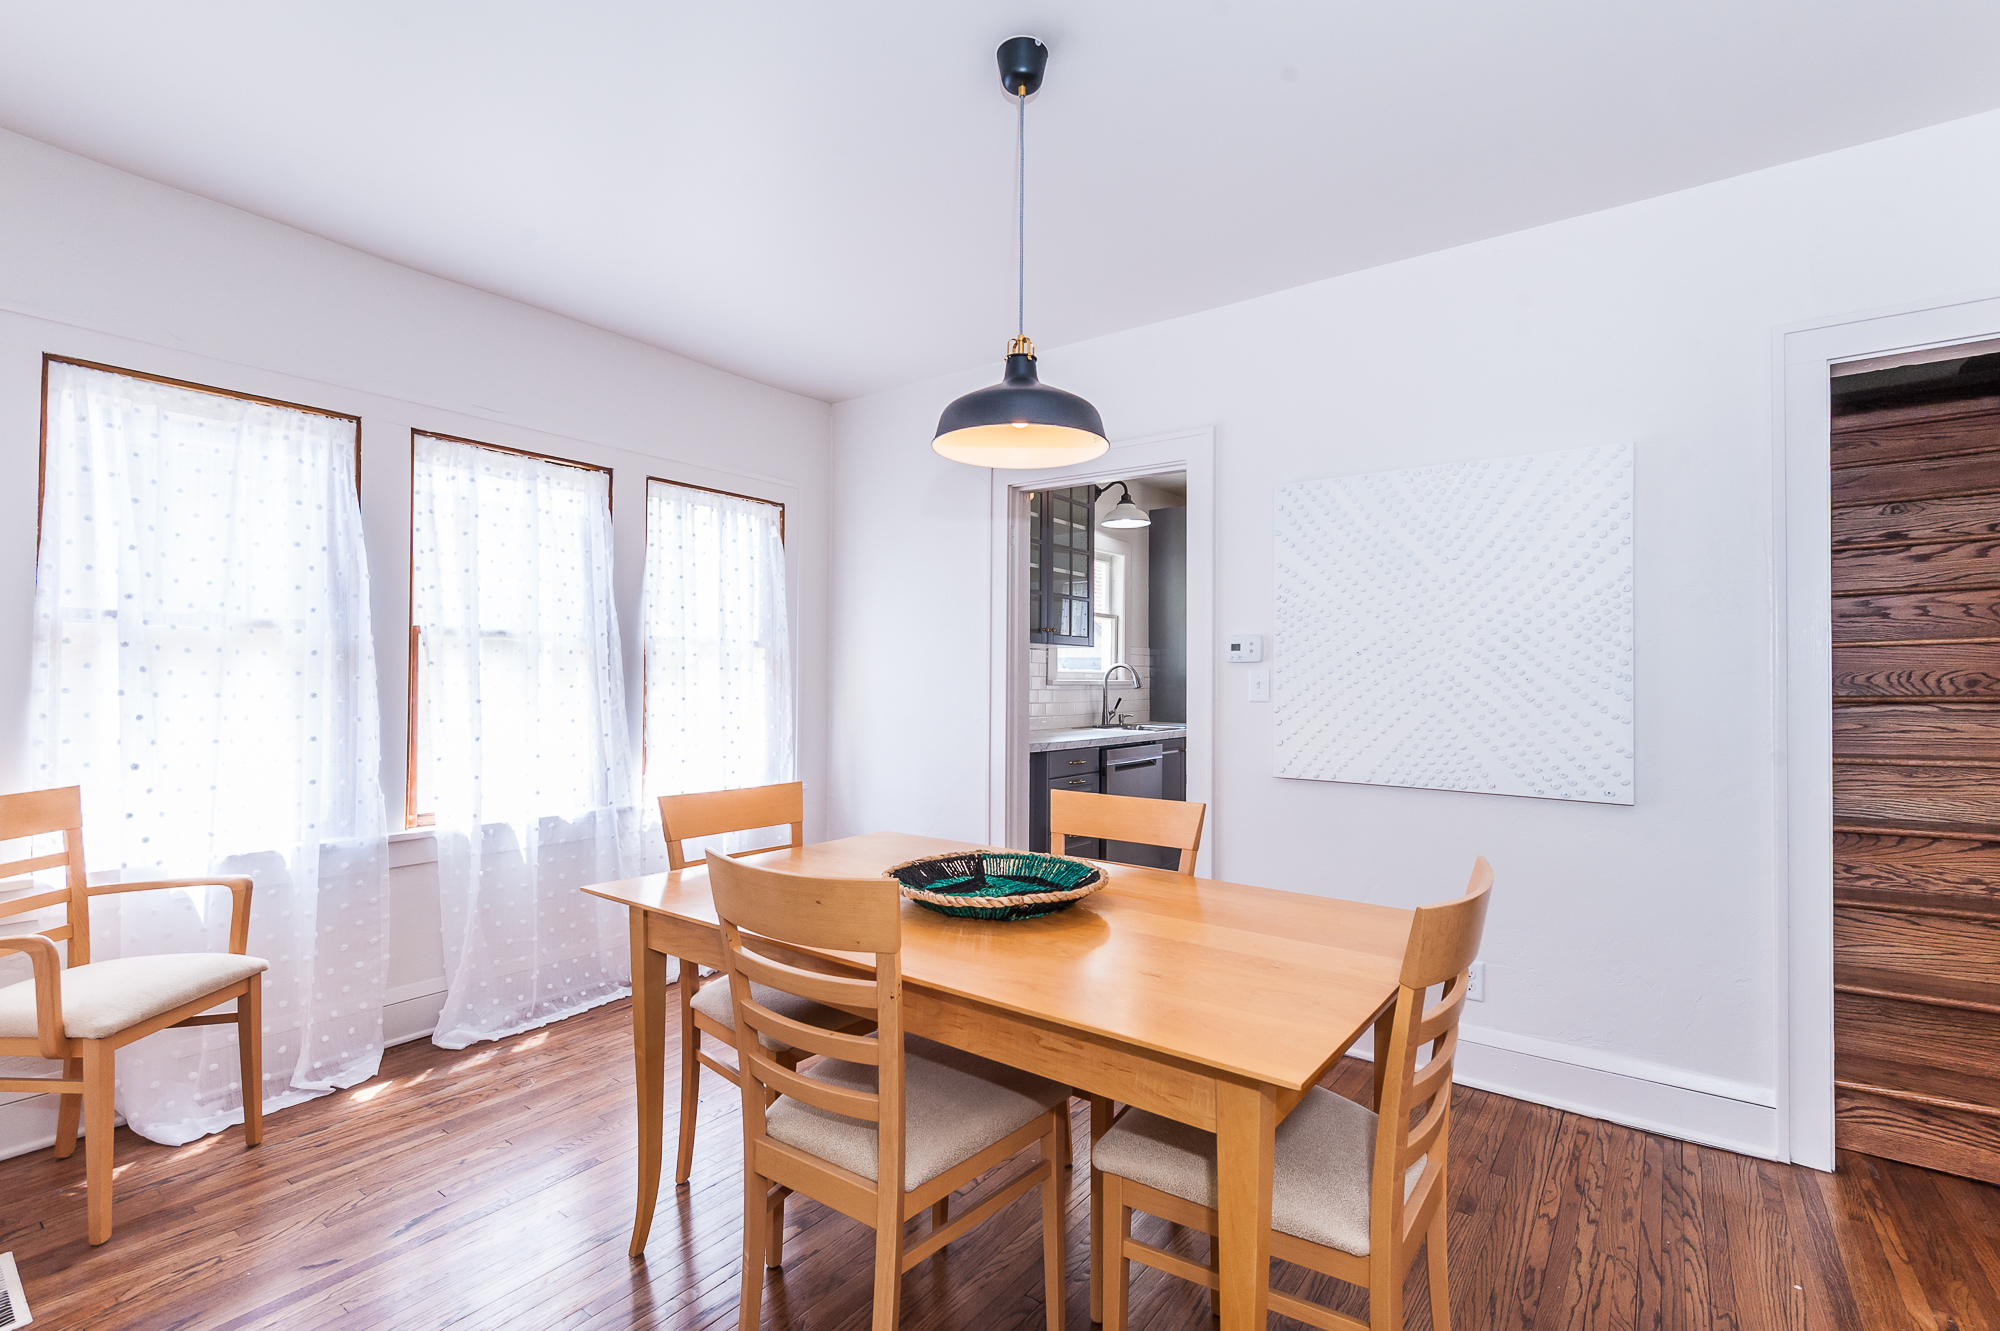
(203, 669)
(523, 756)
(718, 651)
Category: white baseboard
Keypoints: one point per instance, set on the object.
(1637, 1102)
(410, 1011)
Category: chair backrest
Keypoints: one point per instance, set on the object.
(38, 813)
(1444, 939)
(763, 911)
(1172, 823)
(713, 812)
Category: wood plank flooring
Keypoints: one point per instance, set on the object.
(492, 1187)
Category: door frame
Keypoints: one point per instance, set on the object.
(1191, 451)
(1802, 593)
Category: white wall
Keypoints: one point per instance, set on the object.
(1631, 951)
(103, 266)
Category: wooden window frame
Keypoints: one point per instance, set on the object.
(779, 504)
(412, 818)
(50, 358)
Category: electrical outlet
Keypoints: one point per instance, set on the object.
(1475, 983)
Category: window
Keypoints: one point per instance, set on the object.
(717, 642)
(203, 669)
(516, 695)
(1107, 643)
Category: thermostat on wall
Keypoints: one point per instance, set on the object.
(1244, 647)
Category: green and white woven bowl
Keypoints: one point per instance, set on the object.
(997, 884)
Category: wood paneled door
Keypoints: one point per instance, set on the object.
(1916, 779)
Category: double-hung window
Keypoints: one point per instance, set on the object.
(719, 710)
(516, 699)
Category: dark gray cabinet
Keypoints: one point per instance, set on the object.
(1149, 769)
(1166, 608)
(1062, 541)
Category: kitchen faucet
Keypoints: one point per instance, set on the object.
(1104, 713)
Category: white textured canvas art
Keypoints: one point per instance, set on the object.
(1460, 627)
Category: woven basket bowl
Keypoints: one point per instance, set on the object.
(997, 884)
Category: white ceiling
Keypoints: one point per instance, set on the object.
(820, 195)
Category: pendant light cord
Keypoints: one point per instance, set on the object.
(1021, 216)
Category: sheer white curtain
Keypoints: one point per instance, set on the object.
(203, 669)
(522, 750)
(717, 649)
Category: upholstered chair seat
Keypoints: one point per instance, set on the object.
(955, 1106)
(1319, 1190)
(712, 1001)
(105, 997)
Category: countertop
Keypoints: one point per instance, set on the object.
(1098, 737)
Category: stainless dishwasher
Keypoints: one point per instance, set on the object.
(1138, 770)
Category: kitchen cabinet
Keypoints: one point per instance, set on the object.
(1136, 766)
(1062, 541)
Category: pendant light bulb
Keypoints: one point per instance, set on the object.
(1021, 422)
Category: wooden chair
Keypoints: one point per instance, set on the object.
(84, 1012)
(881, 1127)
(705, 1008)
(1175, 824)
(1347, 1200)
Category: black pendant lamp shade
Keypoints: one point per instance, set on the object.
(1020, 421)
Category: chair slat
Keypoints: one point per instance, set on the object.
(837, 990)
(36, 812)
(833, 1099)
(1425, 1083)
(1444, 1014)
(57, 860)
(813, 1039)
(714, 812)
(22, 905)
(1425, 1134)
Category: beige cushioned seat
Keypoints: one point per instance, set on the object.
(712, 1000)
(955, 1106)
(1325, 1153)
(106, 997)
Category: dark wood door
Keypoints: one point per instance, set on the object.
(1916, 779)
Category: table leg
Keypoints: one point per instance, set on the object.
(1100, 1123)
(649, 1055)
(1246, 1120)
(1384, 1025)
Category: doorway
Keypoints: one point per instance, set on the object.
(1040, 687)
(1915, 459)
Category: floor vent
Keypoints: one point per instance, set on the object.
(13, 1303)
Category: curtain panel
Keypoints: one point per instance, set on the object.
(522, 750)
(203, 668)
(719, 710)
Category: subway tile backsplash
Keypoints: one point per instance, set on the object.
(1067, 706)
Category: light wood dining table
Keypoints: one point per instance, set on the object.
(1212, 1003)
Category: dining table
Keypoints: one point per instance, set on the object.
(1216, 1004)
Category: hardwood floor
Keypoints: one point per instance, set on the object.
(492, 1187)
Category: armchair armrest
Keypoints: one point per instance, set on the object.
(48, 988)
(239, 910)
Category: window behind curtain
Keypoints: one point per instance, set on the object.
(203, 669)
(517, 706)
(717, 643)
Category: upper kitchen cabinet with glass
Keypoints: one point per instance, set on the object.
(1062, 539)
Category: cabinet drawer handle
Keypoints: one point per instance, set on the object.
(1074, 781)
(1078, 762)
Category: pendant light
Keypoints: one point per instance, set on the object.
(1124, 513)
(1020, 421)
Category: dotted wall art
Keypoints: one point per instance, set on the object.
(1461, 627)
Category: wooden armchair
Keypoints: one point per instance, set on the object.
(83, 1013)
